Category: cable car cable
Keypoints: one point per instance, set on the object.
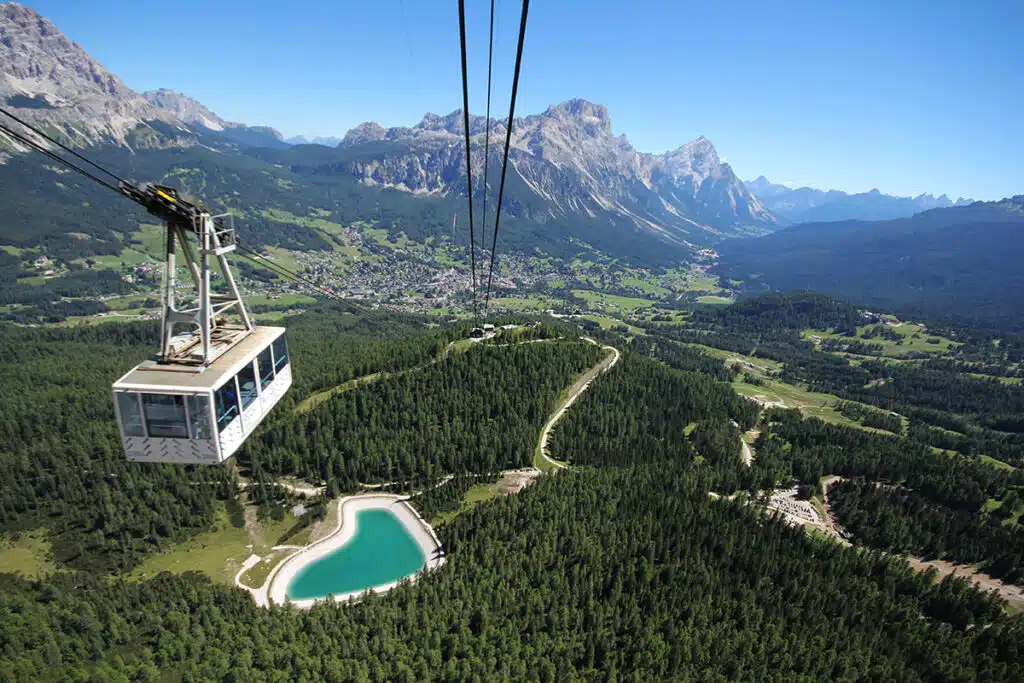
(469, 168)
(32, 144)
(278, 269)
(60, 144)
(508, 142)
(42, 150)
(487, 129)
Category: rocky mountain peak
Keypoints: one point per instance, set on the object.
(37, 60)
(697, 160)
(569, 157)
(593, 117)
(453, 123)
(187, 109)
(365, 132)
(50, 80)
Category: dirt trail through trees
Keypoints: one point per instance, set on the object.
(574, 392)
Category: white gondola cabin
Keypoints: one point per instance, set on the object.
(209, 388)
(172, 414)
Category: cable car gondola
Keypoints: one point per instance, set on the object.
(209, 388)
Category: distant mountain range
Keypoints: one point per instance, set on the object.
(325, 141)
(960, 262)
(574, 189)
(807, 204)
(567, 162)
(569, 176)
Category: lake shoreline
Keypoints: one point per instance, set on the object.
(275, 589)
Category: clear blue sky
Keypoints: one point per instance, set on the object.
(907, 97)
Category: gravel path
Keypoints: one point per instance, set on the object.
(574, 392)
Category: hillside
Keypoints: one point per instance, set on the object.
(574, 190)
(961, 262)
(632, 556)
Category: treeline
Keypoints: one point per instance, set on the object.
(680, 356)
(871, 417)
(903, 496)
(904, 521)
(641, 412)
(77, 283)
(600, 575)
(446, 496)
(332, 343)
(985, 412)
(809, 449)
(477, 411)
(61, 458)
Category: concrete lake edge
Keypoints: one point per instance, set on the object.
(275, 589)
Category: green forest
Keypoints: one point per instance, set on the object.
(622, 567)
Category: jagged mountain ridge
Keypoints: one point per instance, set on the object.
(568, 158)
(187, 109)
(52, 82)
(808, 204)
(329, 141)
(565, 164)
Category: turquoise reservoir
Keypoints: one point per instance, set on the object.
(382, 551)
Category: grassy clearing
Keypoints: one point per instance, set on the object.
(271, 316)
(132, 302)
(315, 399)
(646, 286)
(27, 554)
(811, 404)
(715, 300)
(284, 301)
(218, 553)
(997, 463)
(913, 337)
(281, 216)
(611, 301)
(128, 257)
(270, 533)
(608, 323)
(480, 493)
(687, 281)
(521, 303)
(257, 575)
(284, 257)
(380, 236)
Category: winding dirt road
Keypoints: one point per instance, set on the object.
(574, 392)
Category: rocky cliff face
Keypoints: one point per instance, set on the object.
(52, 82)
(566, 164)
(187, 109)
(565, 160)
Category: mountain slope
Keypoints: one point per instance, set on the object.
(565, 164)
(202, 119)
(961, 261)
(187, 109)
(49, 80)
(573, 187)
(807, 204)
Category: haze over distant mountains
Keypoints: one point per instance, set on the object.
(960, 262)
(568, 173)
(807, 204)
(574, 187)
